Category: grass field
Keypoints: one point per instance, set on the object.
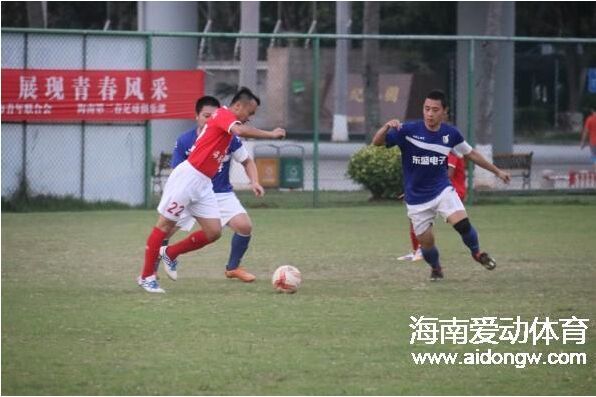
(74, 322)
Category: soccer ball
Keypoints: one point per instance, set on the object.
(286, 279)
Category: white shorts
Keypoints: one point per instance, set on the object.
(188, 193)
(445, 204)
(229, 207)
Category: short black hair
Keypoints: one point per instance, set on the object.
(206, 101)
(438, 95)
(245, 94)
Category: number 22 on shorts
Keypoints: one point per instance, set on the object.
(175, 209)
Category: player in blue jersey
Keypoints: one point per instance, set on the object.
(424, 146)
(232, 212)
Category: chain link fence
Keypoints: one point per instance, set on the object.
(296, 79)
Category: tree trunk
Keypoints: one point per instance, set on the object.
(574, 77)
(370, 55)
(489, 58)
(36, 14)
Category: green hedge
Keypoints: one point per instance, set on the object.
(379, 170)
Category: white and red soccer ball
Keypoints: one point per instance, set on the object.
(286, 279)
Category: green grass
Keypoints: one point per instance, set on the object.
(74, 322)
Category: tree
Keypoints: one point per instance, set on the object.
(370, 55)
(489, 57)
(563, 19)
(36, 14)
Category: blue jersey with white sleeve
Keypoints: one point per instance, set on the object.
(183, 145)
(221, 180)
(424, 157)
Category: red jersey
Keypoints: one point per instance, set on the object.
(215, 138)
(590, 125)
(459, 176)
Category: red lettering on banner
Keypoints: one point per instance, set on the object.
(110, 95)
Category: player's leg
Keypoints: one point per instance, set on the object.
(186, 223)
(416, 254)
(422, 217)
(210, 231)
(452, 209)
(148, 280)
(164, 243)
(234, 215)
(201, 204)
(242, 227)
(430, 253)
(417, 251)
(206, 211)
(173, 201)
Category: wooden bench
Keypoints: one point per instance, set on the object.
(519, 164)
(161, 171)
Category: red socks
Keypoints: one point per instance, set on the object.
(152, 251)
(192, 242)
(413, 239)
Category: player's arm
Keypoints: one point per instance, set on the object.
(451, 165)
(248, 131)
(250, 167)
(450, 171)
(178, 154)
(479, 159)
(380, 135)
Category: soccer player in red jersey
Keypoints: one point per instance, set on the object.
(189, 188)
(589, 135)
(457, 174)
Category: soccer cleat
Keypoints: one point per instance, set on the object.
(436, 274)
(241, 274)
(485, 260)
(150, 284)
(170, 264)
(408, 257)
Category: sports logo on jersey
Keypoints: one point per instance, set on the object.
(445, 139)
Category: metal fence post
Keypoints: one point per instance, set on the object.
(470, 120)
(316, 100)
(24, 167)
(148, 149)
(83, 124)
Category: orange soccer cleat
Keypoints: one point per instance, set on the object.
(241, 274)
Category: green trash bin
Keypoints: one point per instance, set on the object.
(291, 169)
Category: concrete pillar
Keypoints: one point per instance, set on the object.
(340, 78)
(504, 90)
(170, 53)
(471, 20)
(249, 48)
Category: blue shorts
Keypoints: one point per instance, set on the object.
(593, 154)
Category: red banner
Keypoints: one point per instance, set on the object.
(109, 95)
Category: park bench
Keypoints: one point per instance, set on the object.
(518, 164)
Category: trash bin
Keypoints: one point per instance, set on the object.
(267, 161)
(291, 167)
